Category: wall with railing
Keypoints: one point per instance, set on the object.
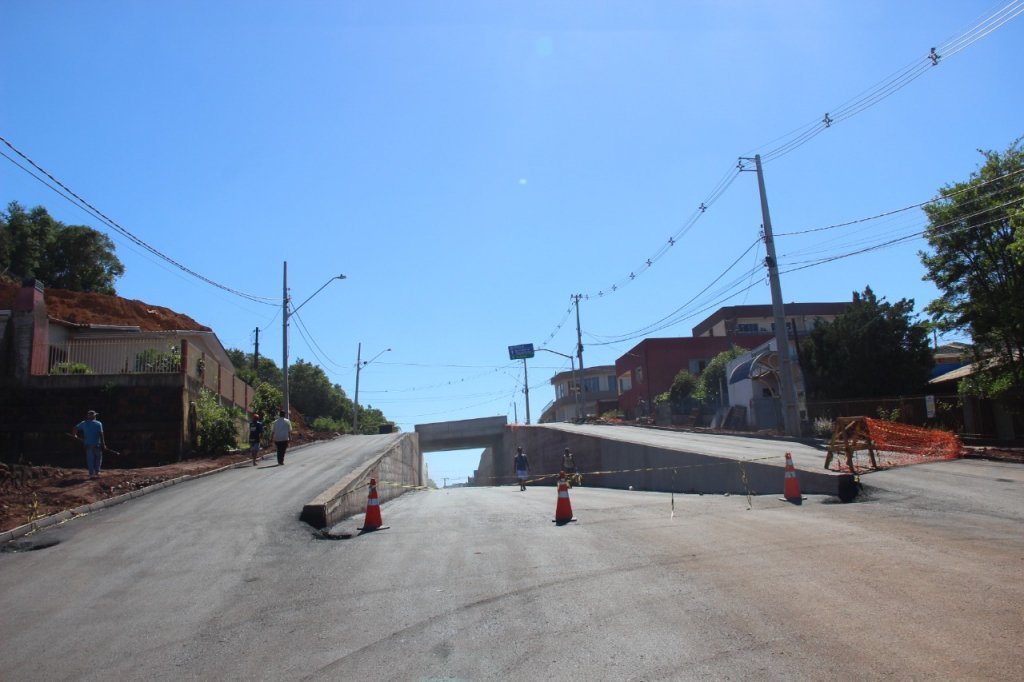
(149, 354)
(132, 354)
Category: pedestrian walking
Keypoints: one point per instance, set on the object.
(91, 430)
(281, 431)
(568, 462)
(522, 466)
(255, 435)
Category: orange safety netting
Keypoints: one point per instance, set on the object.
(887, 444)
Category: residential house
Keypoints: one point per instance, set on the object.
(599, 388)
(143, 378)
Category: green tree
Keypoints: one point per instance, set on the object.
(708, 388)
(976, 259)
(874, 349)
(682, 387)
(268, 371)
(312, 393)
(75, 257)
(267, 401)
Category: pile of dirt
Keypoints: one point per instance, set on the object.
(30, 492)
(84, 308)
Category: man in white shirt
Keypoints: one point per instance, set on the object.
(281, 432)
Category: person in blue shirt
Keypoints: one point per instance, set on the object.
(92, 437)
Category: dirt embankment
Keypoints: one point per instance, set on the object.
(82, 308)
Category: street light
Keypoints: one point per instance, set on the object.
(572, 365)
(359, 366)
(284, 314)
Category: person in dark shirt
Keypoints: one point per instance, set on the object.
(522, 466)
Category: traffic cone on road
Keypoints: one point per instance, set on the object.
(791, 484)
(372, 520)
(563, 510)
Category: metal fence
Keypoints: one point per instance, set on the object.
(116, 356)
(148, 354)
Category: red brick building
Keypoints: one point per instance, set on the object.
(648, 368)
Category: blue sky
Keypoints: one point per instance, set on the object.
(471, 165)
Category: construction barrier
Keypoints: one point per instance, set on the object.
(887, 444)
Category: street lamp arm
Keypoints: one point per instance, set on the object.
(548, 350)
(364, 363)
(296, 309)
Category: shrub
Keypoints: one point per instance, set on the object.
(329, 424)
(823, 427)
(71, 368)
(612, 414)
(217, 425)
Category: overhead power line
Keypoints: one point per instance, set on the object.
(69, 194)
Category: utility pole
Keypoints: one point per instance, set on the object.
(256, 355)
(284, 326)
(526, 390)
(790, 417)
(284, 344)
(579, 354)
(355, 403)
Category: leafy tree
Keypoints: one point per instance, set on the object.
(874, 349)
(267, 371)
(682, 386)
(267, 402)
(976, 259)
(708, 388)
(75, 257)
(312, 393)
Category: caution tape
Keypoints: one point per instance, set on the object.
(607, 472)
(674, 468)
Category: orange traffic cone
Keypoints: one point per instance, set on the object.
(563, 510)
(372, 520)
(791, 485)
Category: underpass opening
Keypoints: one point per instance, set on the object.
(453, 468)
(462, 435)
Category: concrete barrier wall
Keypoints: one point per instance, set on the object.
(398, 469)
(621, 464)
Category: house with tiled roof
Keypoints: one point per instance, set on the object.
(128, 360)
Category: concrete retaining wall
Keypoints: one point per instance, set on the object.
(621, 464)
(398, 470)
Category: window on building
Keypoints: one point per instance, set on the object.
(625, 383)
(639, 374)
(747, 328)
(611, 382)
(697, 366)
(591, 384)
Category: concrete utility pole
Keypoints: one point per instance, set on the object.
(355, 401)
(526, 390)
(790, 417)
(286, 406)
(284, 346)
(256, 355)
(359, 367)
(579, 354)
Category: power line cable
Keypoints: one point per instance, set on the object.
(110, 222)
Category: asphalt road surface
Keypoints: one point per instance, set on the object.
(217, 579)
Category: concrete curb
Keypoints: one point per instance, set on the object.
(68, 514)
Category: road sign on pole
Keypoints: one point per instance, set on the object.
(520, 352)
